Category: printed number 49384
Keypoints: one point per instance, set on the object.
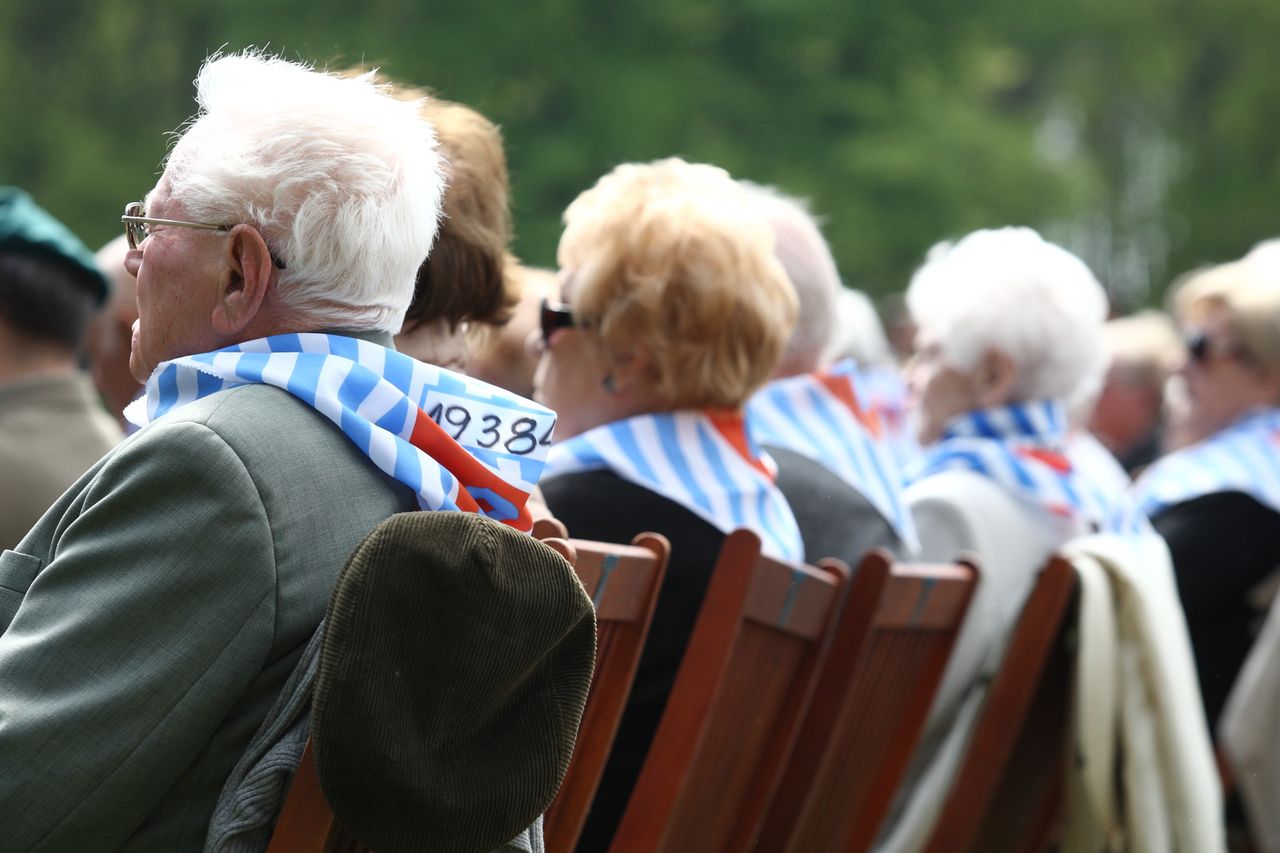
(521, 438)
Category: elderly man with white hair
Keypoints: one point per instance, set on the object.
(816, 417)
(1010, 326)
(151, 617)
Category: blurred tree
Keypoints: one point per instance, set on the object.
(1139, 134)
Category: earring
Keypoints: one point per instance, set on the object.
(610, 386)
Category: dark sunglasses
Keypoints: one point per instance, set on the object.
(554, 316)
(1201, 350)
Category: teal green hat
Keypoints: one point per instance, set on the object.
(27, 229)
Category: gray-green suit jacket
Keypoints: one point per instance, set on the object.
(152, 615)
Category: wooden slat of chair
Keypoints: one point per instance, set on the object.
(306, 822)
(1007, 794)
(742, 688)
(549, 528)
(623, 582)
(873, 695)
(1025, 815)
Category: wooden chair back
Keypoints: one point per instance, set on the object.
(1008, 793)
(307, 824)
(738, 698)
(874, 692)
(623, 582)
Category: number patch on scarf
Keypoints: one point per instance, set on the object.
(508, 431)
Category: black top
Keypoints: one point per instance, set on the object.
(1223, 545)
(835, 519)
(602, 506)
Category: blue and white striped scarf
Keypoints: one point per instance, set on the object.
(1092, 460)
(705, 462)
(1022, 447)
(826, 417)
(887, 396)
(1244, 457)
(457, 442)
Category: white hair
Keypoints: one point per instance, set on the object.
(1265, 256)
(859, 334)
(806, 258)
(1012, 291)
(343, 181)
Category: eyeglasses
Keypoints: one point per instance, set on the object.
(1200, 347)
(554, 316)
(136, 227)
(135, 224)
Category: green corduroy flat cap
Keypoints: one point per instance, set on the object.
(453, 672)
(27, 229)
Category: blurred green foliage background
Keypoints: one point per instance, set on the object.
(1141, 134)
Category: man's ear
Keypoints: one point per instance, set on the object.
(995, 378)
(247, 277)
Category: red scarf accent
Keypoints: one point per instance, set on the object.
(432, 440)
(842, 389)
(732, 425)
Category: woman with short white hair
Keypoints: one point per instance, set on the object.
(1003, 316)
(1009, 332)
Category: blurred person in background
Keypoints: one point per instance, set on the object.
(1010, 328)
(674, 311)
(815, 418)
(899, 326)
(1128, 416)
(52, 427)
(860, 335)
(1247, 725)
(508, 357)
(1216, 501)
(110, 332)
(463, 285)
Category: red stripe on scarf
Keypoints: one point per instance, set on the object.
(1056, 461)
(841, 387)
(732, 427)
(428, 437)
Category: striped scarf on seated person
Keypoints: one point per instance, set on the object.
(457, 442)
(1244, 457)
(823, 416)
(703, 460)
(886, 394)
(1022, 447)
